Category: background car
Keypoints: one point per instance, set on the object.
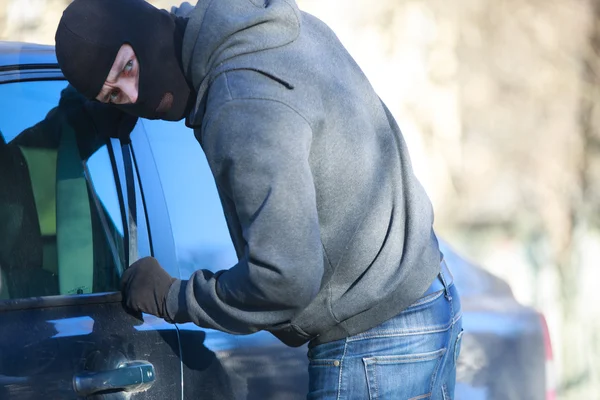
(85, 191)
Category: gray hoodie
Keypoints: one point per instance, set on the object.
(332, 230)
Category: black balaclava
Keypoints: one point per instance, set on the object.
(90, 34)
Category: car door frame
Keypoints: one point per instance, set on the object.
(51, 72)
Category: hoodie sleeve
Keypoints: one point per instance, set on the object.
(258, 151)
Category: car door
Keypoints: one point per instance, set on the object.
(72, 217)
(190, 226)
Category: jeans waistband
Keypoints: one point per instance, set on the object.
(442, 281)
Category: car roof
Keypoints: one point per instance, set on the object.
(26, 54)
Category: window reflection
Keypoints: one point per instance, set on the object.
(24, 103)
(104, 183)
(77, 326)
(59, 211)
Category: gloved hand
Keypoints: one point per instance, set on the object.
(145, 286)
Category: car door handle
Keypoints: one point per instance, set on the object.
(131, 376)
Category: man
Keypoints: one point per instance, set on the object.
(332, 230)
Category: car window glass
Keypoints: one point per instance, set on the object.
(60, 214)
(34, 100)
(143, 239)
(135, 213)
(104, 183)
(200, 232)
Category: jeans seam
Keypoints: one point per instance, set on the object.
(421, 397)
(449, 297)
(445, 392)
(339, 393)
(450, 330)
(445, 358)
(435, 372)
(367, 364)
(406, 358)
(457, 344)
(375, 385)
(457, 317)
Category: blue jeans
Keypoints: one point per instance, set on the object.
(409, 357)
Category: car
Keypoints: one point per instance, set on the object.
(85, 191)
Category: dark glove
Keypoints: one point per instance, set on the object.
(145, 286)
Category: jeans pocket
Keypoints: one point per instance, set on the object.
(403, 376)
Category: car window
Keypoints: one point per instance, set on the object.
(138, 238)
(200, 232)
(61, 225)
(142, 238)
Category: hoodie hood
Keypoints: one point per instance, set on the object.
(224, 35)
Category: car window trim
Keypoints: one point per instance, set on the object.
(136, 177)
(113, 249)
(29, 303)
(131, 243)
(10, 74)
(25, 67)
(126, 187)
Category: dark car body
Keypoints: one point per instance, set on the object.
(79, 201)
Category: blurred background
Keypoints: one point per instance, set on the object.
(499, 101)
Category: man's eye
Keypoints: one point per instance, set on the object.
(114, 96)
(128, 66)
